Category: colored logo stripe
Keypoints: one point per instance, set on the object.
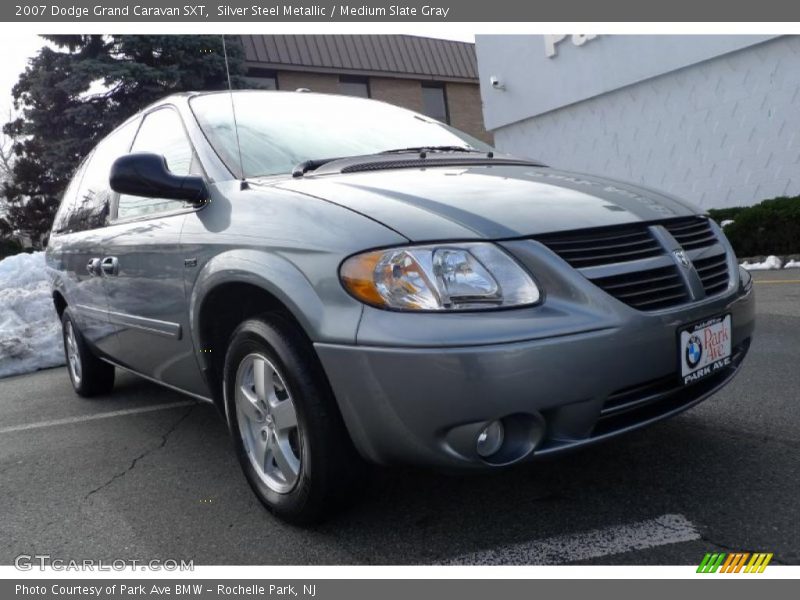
(711, 562)
(734, 562)
(758, 563)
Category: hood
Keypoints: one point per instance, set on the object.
(488, 201)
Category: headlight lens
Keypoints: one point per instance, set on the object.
(466, 276)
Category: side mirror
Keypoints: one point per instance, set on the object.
(145, 174)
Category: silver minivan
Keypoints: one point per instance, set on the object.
(352, 282)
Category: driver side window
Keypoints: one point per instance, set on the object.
(161, 133)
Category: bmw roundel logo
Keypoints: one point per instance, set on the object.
(694, 351)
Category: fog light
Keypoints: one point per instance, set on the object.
(490, 439)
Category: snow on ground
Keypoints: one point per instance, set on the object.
(771, 263)
(792, 264)
(30, 333)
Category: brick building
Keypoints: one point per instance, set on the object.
(435, 77)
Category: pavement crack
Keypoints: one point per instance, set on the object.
(147, 452)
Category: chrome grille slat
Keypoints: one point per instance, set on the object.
(692, 233)
(647, 290)
(714, 273)
(618, 286)
(663, 301)
(712, 267)
(609, 258)
(614, 245)
(609, 246)
(664, 288)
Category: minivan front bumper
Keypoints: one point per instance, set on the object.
(426, 405)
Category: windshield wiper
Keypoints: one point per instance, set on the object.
(310, 165)
(315, 163)
(432, 149)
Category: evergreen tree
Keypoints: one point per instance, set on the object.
(78, 89)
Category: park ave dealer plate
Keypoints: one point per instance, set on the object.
(705, 348)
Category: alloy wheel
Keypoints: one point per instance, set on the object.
(73, 355)
(268, 423)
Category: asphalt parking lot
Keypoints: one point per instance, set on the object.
(148, 474)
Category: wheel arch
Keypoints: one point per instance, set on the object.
(242, 284)
(59, 302)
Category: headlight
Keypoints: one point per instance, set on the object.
(466, 276)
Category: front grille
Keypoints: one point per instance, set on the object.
(647, 290)
(713, 273)
(609, 246)
(692, 233)
(608, 257)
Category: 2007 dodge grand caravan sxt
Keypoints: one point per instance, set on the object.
(348, 280)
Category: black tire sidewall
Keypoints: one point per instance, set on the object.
(280, 342)
(97, 377)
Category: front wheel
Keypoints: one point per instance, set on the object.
(289, 435)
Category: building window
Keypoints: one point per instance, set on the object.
(434, 101)
(350, 85)
(264, 79)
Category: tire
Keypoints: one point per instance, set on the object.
(90, 376)
(298, 457)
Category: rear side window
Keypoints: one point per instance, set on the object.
(161, 133)
(68, 199)
(90, 208)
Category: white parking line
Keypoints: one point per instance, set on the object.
(108, 415)
(666, 529)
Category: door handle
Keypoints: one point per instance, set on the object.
(93, 267)
(110, 265)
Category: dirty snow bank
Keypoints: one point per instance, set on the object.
(770, 263)
(30, 333)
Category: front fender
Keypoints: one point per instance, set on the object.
(325, 311)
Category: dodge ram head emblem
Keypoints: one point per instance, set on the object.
(681, 257)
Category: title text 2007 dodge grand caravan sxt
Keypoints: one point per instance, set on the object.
(349, 280)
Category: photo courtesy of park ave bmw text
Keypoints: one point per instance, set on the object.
(326, 300)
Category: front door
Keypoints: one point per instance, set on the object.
(143, 267)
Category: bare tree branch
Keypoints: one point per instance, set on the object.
(6, 152)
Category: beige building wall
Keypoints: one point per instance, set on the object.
(463, 99)
(466, 110)
(401, 92)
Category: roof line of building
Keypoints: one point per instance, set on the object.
(398, 55)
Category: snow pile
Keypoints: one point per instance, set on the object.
(792, 264)
(771, 263)
(30, 333)
(726, 222)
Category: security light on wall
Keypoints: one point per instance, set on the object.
(496, 83)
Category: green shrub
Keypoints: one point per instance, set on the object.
(9, 248)
(725, 214)
(770, 227)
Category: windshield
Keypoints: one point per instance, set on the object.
(279, 130)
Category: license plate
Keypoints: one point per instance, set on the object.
(705, 348)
